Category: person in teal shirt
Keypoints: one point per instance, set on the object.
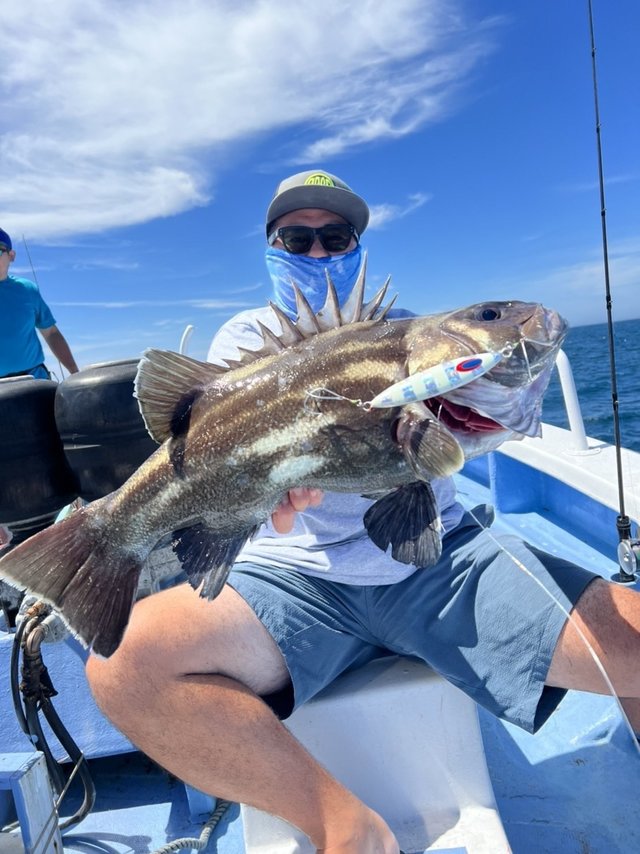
(22, 312)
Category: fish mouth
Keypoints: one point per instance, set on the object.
(507, 400)
(461, 419)
(524, 362)
(534, 345)
(537, 346)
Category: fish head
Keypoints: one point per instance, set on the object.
(506, 402)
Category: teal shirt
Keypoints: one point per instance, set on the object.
(22, 311)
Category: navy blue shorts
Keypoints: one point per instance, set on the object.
(475, 617)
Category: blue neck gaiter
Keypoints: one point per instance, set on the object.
(309, 275)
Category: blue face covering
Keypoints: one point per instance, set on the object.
(309, 275)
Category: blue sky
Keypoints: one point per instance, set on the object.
(142, 141)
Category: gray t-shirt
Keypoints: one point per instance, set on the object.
(330, 540)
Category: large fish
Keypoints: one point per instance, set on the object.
(234, 439)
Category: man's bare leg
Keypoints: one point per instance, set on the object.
(183, 685)
(608, 615)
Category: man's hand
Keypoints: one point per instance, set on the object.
(296, 500)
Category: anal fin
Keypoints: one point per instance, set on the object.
(407, 519)
(207, 556)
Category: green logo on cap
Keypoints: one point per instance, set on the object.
(320, 179)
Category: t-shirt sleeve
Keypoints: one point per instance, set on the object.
(241, 331)
(44, 317)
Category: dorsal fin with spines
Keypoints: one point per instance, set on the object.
(368, 312)
(164, 378)
(330, 316)
(384, 311)
(270, 339)
(352, 309)
(290, 334)
(307, 322)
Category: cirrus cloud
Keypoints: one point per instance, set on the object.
(115, 114)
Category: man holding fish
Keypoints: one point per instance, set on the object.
(200, 685)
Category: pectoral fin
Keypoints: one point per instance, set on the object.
(428, 446)
(407, 520)
(207, 556)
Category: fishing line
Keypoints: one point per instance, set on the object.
(626, 551)
(526, 360)
(324, 393)
(601, 668)
(426, 384)
(33, 270)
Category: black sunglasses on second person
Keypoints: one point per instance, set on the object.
(298, 239)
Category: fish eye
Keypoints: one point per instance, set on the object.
(488, 313)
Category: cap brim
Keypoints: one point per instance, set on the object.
(343, 202)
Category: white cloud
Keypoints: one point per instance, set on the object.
(105, 264)
(577, 289)
(396, 103)
(590, 186)
(117, 113)
(382, 214)
(157, 303)
(586, 279)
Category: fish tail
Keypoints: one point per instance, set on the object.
(77, 567)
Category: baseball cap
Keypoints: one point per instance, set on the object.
(5, 240)
(318, 189)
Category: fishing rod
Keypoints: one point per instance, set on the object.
(33, 269)
(628, 548)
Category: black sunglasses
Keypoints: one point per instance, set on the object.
(3, 249)
(298, 239)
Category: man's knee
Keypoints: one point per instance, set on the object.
(107, 691)
(606, 622)
(124, 684)
(611, 612)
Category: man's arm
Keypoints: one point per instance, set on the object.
(59, 347)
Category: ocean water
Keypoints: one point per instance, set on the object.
(588, 350)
